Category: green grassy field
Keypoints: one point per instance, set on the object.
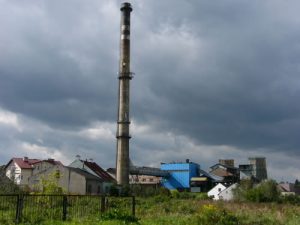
(170, 211)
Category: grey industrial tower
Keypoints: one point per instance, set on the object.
(125, 76)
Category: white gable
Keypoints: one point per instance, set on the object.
(215, 191)
(13, 172)
(227, 194)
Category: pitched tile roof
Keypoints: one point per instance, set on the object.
(286, 187)
(221, 172)
(99, 171)
(23, 164)
(51, 161)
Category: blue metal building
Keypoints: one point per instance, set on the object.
(180, 174)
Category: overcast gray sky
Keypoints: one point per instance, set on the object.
(214, 79)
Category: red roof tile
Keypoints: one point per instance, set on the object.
(24, 164)
(51, 161)
(99, 171)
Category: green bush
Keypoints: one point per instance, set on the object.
(266, 191)
(175, 193)
(188, 195)
(119, 215)
(203, 196)
(164, 191)
(213, 215)
(291, 199)
(114, 191)
(161, 198)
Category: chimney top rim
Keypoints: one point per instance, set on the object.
(126, 6)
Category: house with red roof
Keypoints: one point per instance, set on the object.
(44, 165)
(94, 169)
(70, 180)
(20, 169)
(288, 189)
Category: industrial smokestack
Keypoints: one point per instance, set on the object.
(125, 76)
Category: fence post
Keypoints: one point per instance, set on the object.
(102, 204)
(133, 205)
(65, 204)
(19, 208)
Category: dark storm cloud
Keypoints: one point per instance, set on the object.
(225, 73)
(217, 73)
(57, 64)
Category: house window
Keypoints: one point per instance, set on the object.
(219, 189)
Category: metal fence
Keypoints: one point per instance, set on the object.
(37, 208)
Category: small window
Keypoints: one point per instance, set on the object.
(219, 189)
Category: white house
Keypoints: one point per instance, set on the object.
(44, 165)
(227, 194)
(20, 169)
(216, 190)
(71, 180)
(288, 189)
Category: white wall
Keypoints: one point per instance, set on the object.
(13, 171)
(227, 194)
(215, 191)
(41, 166)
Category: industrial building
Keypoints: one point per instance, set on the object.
(188, 176)
(225, 168)
(256, 169)
(180, 174)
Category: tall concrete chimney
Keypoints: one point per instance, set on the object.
(125, 76)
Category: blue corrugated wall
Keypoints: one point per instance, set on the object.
(180, 174)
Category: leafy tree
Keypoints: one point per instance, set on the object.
(50, 184)
(240, 192)
(266, 191)
(297, 183)
(7, 186)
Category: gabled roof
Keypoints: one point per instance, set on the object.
(99, 171)
(217, 186)
(286, 187)
(23, 164)
(221, 173)
(229, 188)
(51, 161)
(222, 165)
(212, 176)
